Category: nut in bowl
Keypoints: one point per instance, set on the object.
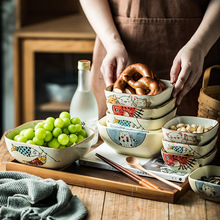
(194, 137)
(45, 156)
(138, 112)
(130, 141)
(186, 163)
(189, 149)
(202, 181)
(139, 123)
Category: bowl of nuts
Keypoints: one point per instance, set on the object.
(190, 130)
(205, 181)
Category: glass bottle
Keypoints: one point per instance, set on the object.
(83, 104)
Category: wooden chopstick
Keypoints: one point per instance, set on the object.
(128, 173)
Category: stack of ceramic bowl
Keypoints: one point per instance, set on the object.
(133, 123)
(185, 151)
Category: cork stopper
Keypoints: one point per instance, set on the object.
(83, 64)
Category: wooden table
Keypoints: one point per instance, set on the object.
(106, 205)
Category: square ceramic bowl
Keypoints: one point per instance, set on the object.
(187, 164)
(139, 100)
(138, 112)
(45, 156)
(140, 123)
(205, 189)
(129, 141)
(190, 138)
(189, 149)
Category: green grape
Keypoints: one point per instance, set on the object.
(66, 131)
(63, 139)
(39, 125)
(53, 143)
(56, 132)
(78, 127)
(66, 121)
(29, 133)
(69, 144)
(73, 138)
(38, 141)
(50, 119)
(16, 137)
(72, 128)
(48, 126)
(75, 121)
(40, 133)
(22, 132)
(62, 146)
(83, 133)
(30, 142)
(80, 138)
(58, 123)
(22, 138)
(49, 136)
(64, 115)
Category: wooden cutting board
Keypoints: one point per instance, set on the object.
(106, 180)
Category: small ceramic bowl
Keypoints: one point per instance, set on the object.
(205, 189)
(139, 123)
(139, 100)
(186, 163)
(138, 112)
(129, 141)
(45, 156)
(189, 149)
(190, 138)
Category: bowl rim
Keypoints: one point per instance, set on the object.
(145, 119)
(189, 156)
(203, 168)
(50, 148)
(163, 80)
(146, 108)
(184, 132)
(194, 145)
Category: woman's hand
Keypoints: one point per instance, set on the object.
(114, 63)
(186, 70)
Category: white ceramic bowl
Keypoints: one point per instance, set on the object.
(190, 138)
(44, 156)
(186, 164)
(130, 142)
(205, 189)
(139, 100)
(138, 112)
(139, 123)
(188, 149)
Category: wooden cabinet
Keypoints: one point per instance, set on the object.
(45, 27)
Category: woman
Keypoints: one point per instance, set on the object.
(177, 39)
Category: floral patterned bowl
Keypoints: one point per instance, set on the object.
(42, 156)
(139, 100)
(189, 149)
(140, 123)
(205, 189)
(186, 164)
(190, 138)
(130, 141)
(138, 112)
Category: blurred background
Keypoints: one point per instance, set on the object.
(41, 42)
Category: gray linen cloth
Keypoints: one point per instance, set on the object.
(24, 196)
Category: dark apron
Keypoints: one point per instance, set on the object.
(153, 31)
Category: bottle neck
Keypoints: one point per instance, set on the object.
(83, 80)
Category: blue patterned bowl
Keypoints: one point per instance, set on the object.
(141, 143)
(206, 190)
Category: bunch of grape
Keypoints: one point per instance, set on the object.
(61, 132)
